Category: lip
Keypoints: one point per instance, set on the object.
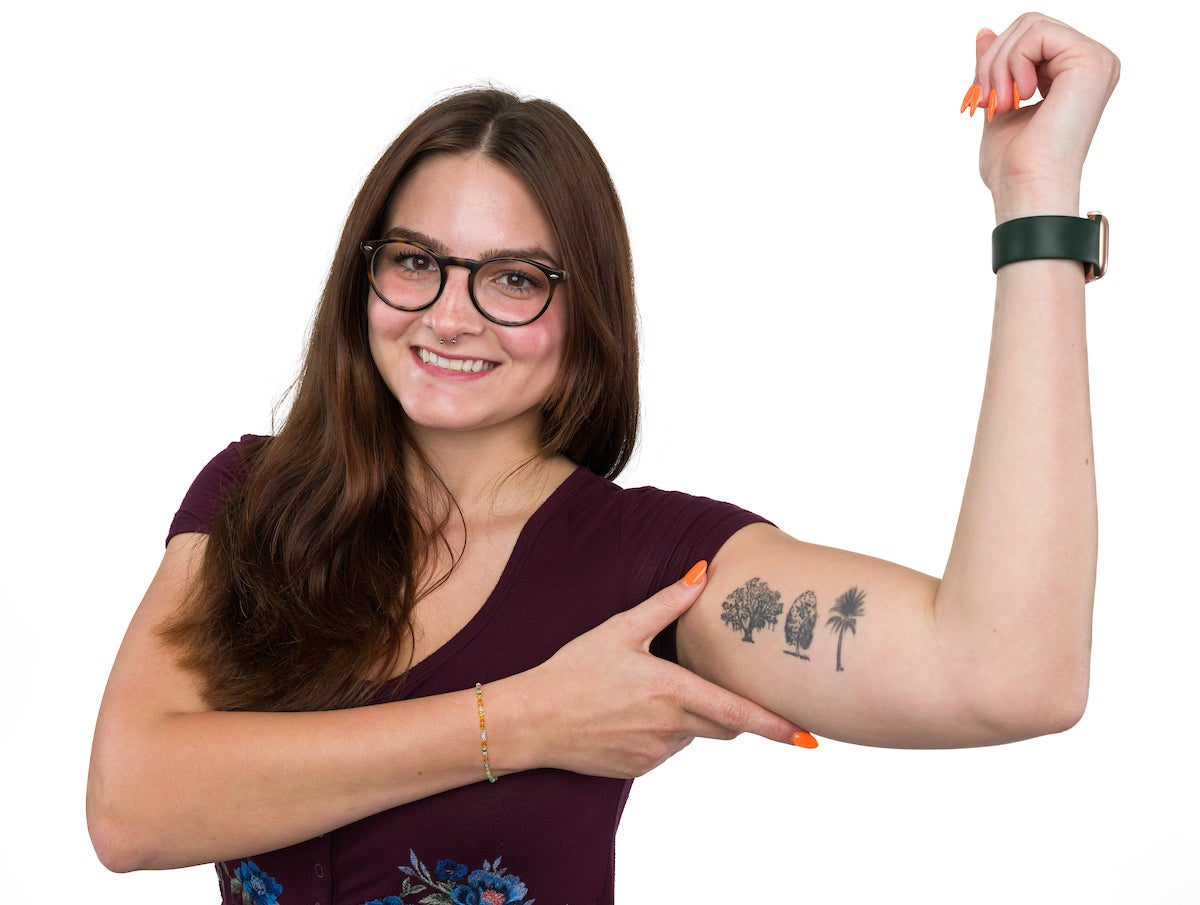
(456, 366)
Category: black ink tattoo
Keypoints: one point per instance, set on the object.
(751, 607)
(847, 610)
(798, 627)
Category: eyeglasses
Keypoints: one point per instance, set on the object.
(510, 292)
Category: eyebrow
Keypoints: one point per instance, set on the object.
(534, 252)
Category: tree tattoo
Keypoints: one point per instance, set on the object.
(846, 612)
(798, 626)
(751, 607)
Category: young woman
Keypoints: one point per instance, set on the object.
(427, 582)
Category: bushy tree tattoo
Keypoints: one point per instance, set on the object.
(798, 626)
(751, 607)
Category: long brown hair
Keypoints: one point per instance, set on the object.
(312, 568)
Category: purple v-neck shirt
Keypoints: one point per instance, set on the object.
(591, 550)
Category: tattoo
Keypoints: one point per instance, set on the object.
(798, 627)
(756, 605)
(751, 608)
(846, 612)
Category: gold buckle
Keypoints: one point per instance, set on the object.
(1092, 272)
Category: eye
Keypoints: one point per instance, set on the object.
(516, 278)
(413, 260)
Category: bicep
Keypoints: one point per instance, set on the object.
(843, 644)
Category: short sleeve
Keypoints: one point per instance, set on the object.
(212, 487)
(665, 533)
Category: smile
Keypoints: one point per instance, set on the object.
(454, 364)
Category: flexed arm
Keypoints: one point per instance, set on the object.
(998, 649)
(172, 781)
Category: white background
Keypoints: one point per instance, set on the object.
(175, 177)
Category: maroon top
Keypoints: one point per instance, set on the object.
(591, 550)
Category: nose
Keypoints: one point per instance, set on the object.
(453, 314)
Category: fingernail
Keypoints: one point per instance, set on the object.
(695, 573)
(992, 101)
(1016, 96)
(970, 99)
(983, 31)
(803, 739)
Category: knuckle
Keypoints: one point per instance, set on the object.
(735, 714)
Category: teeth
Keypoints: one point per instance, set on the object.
(454, 364)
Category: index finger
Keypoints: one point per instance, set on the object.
(724, 708)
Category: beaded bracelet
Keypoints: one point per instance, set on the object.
(487, 767)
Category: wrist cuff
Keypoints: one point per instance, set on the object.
(1082, 239)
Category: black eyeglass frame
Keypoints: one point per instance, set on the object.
(554, 277)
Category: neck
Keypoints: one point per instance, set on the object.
(493, 472)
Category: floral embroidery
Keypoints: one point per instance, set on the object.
(255, 886)
(452, 883)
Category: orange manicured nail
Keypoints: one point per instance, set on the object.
(992, 101)
(976, 94)
(1016, 96)
(695, 573)
(970, 98)
(803, 739)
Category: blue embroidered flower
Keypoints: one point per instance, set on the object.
(484, 887)
(257, 887)
(386, 900)
(450, 870)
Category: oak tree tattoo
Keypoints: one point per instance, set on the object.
(798, 626)
(751, 607)
(847, 610)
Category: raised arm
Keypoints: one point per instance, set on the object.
(998, 649)
(171, 781)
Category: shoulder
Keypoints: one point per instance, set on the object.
(212, 487)
(652, 508)
(657, 533)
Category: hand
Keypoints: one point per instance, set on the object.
(605, 706)
(1032, 158)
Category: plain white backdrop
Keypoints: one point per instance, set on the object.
(174, 180)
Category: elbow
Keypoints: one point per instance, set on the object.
(115, 848)
(1033, 704)
(116, 838)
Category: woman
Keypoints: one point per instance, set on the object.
(424, 581)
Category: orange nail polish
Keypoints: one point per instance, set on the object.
(1016, 96)
(971, 98)
(695, 573)
(803, 739)
(976, 94)
(992, 101)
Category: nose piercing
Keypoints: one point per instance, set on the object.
(453, 340)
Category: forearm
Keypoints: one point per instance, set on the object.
(194, 787)
(1017, 593)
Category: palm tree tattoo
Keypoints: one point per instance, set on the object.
(847, 610)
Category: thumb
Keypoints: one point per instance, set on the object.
(651, 616)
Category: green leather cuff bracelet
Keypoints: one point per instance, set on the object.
(1082, 239)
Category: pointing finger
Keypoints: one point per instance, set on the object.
(644, 621)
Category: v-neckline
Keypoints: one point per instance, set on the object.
(512, 567)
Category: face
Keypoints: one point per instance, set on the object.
(490, 377)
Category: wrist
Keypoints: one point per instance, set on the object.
(512, 728)
(1009, 208)
(1058, 197)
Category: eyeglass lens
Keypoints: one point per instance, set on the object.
(508, 289)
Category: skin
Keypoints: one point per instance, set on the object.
(471, 208)
(995, 650)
